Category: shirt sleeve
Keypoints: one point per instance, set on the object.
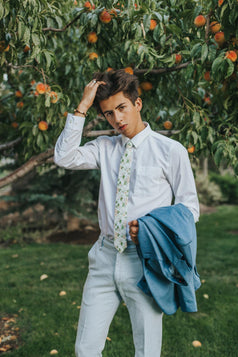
(182, 181)
(69, 154)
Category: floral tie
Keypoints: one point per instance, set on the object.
(123, 182)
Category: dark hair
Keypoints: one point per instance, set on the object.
(116, 81)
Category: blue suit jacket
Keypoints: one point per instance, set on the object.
(167, 247)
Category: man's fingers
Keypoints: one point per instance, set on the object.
(133, 223)
(134, 229)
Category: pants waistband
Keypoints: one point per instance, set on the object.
(110, 239)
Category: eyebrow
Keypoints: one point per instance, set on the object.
(108, 111)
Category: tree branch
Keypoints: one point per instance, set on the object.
(162, 70)
(25, 66)
(27, 167)
(10, 144)
(64, 28)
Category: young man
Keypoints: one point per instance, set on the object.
(158, 171)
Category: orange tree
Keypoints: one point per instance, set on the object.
(183, 51)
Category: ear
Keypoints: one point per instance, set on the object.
(138, 104)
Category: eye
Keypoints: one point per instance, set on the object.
(108, 114)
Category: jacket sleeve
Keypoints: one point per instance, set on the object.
(69, 154)
(182, 181)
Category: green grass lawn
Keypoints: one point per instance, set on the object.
(48, 321)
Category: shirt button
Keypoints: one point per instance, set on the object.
(129, 144)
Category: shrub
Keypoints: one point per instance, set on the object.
(228, 185)
(209, 193)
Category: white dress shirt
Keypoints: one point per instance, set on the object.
(160, 170)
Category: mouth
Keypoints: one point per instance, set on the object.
(122, 127)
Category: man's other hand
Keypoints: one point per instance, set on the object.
(133, 231)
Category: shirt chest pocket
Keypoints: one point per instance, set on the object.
(147, 179)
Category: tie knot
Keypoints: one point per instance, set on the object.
(129, 144)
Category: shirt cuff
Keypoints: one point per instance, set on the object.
(74, 122)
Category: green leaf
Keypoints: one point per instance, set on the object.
(146, 22)
(35, 39)
(47, 101)
(21, 30)
(196, 50)
(217, 63)
(204, 52)
(230, 68)
(27, 35)
(1, 10)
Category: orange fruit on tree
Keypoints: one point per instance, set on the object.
(18, 94)
(26, 49)
(89, 6)
(200, 21)
(232, 55)
(109, 69)
(65, 114)
(53, 97)
(153, 24)
(92, 56)
(33, 82)
(220, 2)
(43, 125)
(105, 17)
(146, 86)
(178, 58)
(139, 91)
(168, 125)
(219, 37)
(20, 105)
(215, 26)
(92, 37)
(129, 70)
(4, 47)
(207, 76)
(207, 100)
(191, 149)
(7, 48)
(14, 125)
(41, 88)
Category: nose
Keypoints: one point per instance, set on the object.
(117, 117)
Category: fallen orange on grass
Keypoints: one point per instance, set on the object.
(43, 125)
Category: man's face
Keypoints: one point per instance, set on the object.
(122, 115)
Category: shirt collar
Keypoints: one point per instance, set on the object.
(137, 139)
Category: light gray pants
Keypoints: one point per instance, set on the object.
(112, 278)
